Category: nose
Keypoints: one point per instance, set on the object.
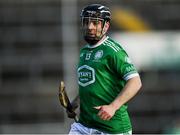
(91, 25)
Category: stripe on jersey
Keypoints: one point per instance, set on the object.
(117, 47)
(107, 44)
(112, 45)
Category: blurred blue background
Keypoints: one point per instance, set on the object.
(39, 46)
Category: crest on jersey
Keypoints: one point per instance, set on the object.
(98, 54)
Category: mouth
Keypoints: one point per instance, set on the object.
(90, 34)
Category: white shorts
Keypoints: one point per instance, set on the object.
(77, 129)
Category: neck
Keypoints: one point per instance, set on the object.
(99, 42)
(101, 39)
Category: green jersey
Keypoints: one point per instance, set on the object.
(102, 73)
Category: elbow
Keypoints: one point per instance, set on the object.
(139, 83)
(136, 83)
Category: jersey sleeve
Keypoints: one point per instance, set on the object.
(123, 65)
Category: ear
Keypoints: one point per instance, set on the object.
(107, 24)
(106, 27)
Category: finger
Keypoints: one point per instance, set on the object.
(105, 116)
(102, 114)
(70, 114)
(108, 118)
(97, 107)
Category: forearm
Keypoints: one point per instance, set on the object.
(131, 88)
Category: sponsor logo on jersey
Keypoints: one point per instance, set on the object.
(129, 68)
(98, 54)
(86, 75)
(128, 60)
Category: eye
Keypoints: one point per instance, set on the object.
(85, 22)
(94, 21)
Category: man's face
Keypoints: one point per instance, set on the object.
(92, 27)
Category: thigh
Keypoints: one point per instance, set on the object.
(95, 131)
(127, 133)
(77, 129)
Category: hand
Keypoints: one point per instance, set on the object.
(106, 112)
(72, 114)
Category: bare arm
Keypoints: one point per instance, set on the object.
(132, 86)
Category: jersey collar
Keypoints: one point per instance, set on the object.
(99, 43)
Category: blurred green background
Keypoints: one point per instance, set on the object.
(39, 46)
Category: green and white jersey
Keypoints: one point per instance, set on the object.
(102, 73)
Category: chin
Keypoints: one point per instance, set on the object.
(91, 40)
(91, 35)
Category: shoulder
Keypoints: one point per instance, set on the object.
(114, 47)
(84, 47)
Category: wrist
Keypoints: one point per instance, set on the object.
(115, 105)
